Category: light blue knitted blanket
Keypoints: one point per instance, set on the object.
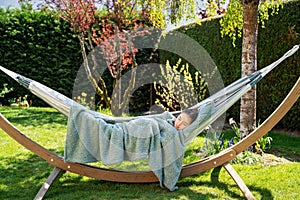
(90, 139)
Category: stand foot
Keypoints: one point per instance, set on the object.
(243, 187)
(51, 178)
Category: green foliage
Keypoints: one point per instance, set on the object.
(252, 155)
(162, 11)
(41, 47)
(38, 45)
(261, 144)
(178, 87)
(247, 158)
(232, 22)
(5, 90)
(280, 34)
(268, 8)
(264, 143)
(182, 10)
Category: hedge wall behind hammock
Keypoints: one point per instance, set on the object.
(41, 47)
(281, 33)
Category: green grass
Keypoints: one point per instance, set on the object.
(22, 173)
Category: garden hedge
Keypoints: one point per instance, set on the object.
(281, 33)
(40, 46)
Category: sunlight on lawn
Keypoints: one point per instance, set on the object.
(20, 169)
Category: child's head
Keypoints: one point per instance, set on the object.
(185, 118)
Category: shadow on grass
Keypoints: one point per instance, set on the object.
(228, 188)
(285, 146)
(21, 176)
(33, 116)
(28, 172)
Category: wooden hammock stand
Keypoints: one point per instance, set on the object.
(221, 159)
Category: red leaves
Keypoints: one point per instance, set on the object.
(107, 32)
(79, 13)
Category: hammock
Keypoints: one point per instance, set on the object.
(222, 100)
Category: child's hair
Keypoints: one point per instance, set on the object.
(193, 113)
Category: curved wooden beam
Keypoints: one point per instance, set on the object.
(148, 176)
(259, 132)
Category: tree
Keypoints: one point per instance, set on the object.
(84, 18)
(94, 29)
(249, 65)
(109, 28)
(244, 16)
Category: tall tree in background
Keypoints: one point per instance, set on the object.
(242, 19)
(249, 65)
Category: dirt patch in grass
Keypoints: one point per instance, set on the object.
(283, 153)
(271, 159)
(288, 154)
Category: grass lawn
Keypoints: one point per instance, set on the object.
(22, 173)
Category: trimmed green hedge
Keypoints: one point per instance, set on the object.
(280, 34)
(40, 46)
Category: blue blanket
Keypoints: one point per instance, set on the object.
(90, 139)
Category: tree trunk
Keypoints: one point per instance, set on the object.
(249, 65)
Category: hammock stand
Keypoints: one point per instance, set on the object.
(221, 159)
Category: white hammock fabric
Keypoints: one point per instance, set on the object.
(222, 99)
(218, 103)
